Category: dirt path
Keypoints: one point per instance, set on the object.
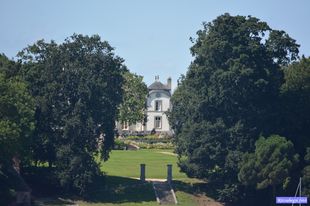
(164, 193)
(168, 153)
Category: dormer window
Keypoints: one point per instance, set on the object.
(158, 105)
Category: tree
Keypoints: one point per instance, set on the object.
(293, 120)
(132, 109)
(306, 174)
(270, 164)
(8, 67)
(16, 112)
(295, 108)
(77, 86)
(233, 82)
(16, 123)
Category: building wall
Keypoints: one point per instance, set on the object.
(164, 97)
(138, 127)
(154, 95)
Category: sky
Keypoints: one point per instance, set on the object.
(152, 36)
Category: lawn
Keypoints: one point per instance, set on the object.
(121, 186)
(127, 163)
(122, 191)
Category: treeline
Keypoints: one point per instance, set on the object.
(58, 107)
(241, 114)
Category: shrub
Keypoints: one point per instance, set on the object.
(119, 144)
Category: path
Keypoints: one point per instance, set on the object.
(168, 153)
(164, 193)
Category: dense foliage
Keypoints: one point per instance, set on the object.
(294, 119)
(270, 164)
(16, 124)
(16, 113)
(228, 97)
(77, 86)
(132, 109)
(306, 174)
(295, 104)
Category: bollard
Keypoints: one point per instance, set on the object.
(169, 173)
(142, 172)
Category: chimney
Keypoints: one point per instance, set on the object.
(169, 83)
(157, 78)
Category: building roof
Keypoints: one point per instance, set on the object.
(157, 85)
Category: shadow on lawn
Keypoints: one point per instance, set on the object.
(253, 197)
(107, 189)
(196, 188)
(114, 189)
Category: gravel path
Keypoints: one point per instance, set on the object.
(164, 193)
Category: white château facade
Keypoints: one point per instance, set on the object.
(158, 103)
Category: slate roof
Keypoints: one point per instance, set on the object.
(158, 86)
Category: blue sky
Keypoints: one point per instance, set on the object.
(151, 35)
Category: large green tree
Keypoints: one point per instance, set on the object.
(16, 124)
(270, 165)
(16, 113)
(295, 104)
(132, 109)
(293, 113)
(229, 93)
(77, 86)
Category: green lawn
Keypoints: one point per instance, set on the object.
(127, 163)
(114, 190)
(120, 187)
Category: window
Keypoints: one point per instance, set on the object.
(125, 126)
(157, 122)
(158, 105)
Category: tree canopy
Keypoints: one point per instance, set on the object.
(16, 123)
(228, 94)
(77, 86)
(132, 109)
(270, 164)
(295, 107)
(16, 113)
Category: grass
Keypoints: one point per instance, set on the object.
(108, 190)
(120, 187)
(129, 192)
(127, 164)
(122, 191)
